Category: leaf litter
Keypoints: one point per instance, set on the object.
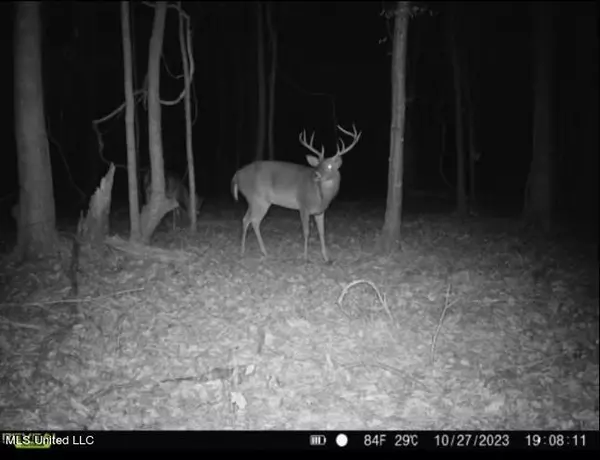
(468, 327)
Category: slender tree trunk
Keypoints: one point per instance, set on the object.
(159, 205)
(136, 110)
(262, 93)
(91, 173)
(226, 135)
(185, 41)
(134, 211)
(239, 128)
(473, 158)
(473, 154)
(272, 79)
(242, 91)
(240, 120)
(461, 196)
(411, 154)
(35, 212)
(538, 202)
(390, 237)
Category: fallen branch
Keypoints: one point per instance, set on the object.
(144, 251)
(381, 297)
(83, 299)
(447, 305)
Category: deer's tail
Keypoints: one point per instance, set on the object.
(234, 186)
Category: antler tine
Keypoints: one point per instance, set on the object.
(340, 146)
(353, 133)
(309, 145)
(355, 138)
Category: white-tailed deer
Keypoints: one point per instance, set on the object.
(310, 190)
(174, 188)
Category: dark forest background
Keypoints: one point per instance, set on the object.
(333, 67)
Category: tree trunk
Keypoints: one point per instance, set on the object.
(92, 172)
(390, 237)
(185, 41)
(473, 154)
(159, 205)
(411, 144)
(136, 113)
(473, 159)
(240, 96)
(272, 80)
(134, 211)
(262, 94)
(226, 136)
(35, 212)
(538, 200)
(461, 196)
(240, 120)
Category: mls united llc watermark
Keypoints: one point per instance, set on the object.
(45, 440)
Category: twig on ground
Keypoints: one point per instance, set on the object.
(379, 296)
(447, 305)
(83, 299)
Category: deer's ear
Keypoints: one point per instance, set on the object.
(313, 161)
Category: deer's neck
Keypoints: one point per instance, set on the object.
(328, 189)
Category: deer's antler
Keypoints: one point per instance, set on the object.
(342, 149)
(309, 146)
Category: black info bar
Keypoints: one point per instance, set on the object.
(300, 440)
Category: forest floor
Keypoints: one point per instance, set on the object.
(475, 324)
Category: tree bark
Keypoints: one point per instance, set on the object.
(473, 153)
(241, 131)
(159, 205)
(390, 237)
(411, 144)
(473, 159)
(35, 212)
(272, 80)
(134, 211)
(461, 196)
(538, 200)
(262, 93)
(91, 174)
(185, 41)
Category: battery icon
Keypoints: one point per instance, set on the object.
(317, 440)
